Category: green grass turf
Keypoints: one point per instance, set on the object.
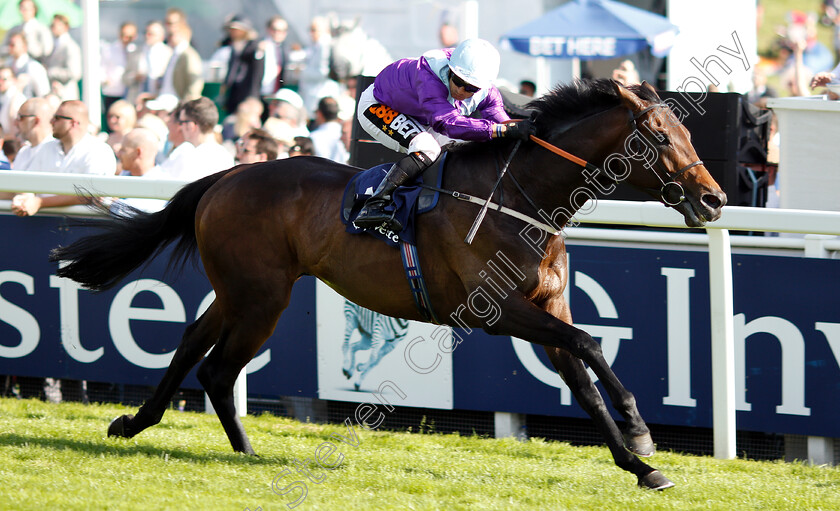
(58, 457)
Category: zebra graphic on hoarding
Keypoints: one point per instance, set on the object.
(379, 334)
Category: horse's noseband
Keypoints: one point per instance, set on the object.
(671, 192)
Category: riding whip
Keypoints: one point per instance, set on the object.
(480, 218)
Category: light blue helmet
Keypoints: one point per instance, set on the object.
(476, 62)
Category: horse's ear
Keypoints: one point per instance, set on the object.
(628, 98)
(648, 87)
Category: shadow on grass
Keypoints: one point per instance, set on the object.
(122, 447)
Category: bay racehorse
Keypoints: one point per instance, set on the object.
(260, 227)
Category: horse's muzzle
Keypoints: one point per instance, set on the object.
(713, 204)
(707, 208)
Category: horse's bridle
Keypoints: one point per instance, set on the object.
(671, 193)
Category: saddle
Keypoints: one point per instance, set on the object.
(408, 201)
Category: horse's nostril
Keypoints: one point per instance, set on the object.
(712, 201)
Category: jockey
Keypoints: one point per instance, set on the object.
(415, 106)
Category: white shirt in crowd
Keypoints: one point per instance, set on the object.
(44, 157)
(177, 164)
(89, 156)
(326, 141)
(207, 158)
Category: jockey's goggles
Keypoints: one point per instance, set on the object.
(461, 83)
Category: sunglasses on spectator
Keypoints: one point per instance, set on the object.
(56, 117)
(240, 146)
(462, 84)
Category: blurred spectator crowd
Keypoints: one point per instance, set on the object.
(264, 99)
(171, 113)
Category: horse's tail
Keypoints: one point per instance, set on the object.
(128, 239)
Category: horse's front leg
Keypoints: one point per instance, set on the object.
(636, 434)
(568, 347)
(576, 377)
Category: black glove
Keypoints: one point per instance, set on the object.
(520, 129)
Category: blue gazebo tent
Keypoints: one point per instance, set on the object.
(593, 29)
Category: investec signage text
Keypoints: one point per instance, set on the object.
(649, 309)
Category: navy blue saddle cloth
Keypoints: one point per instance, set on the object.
(408, 201)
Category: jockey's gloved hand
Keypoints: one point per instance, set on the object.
(520, 129)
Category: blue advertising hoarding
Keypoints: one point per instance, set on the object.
(652, 308)
(648, 308)
(51, 327)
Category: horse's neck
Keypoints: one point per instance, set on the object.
(555, 184)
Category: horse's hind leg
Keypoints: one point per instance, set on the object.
(217, 375)
(197, 339)
(251, 318)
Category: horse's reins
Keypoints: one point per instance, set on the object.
(569, 156)
(481, 214)
(671, 193)
(665, 193)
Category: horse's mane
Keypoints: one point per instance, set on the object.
(580, 98)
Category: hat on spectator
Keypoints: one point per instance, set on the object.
(287, 95)
(240, 22)
(280, 130)
(166, 102)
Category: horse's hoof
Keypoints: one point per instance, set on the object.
(346, 373)
(117, 426)
(357, 386)
(655, 481)
(641, 445)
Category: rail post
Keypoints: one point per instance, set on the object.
(723, 343)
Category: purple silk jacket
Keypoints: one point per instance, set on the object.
(420, 88)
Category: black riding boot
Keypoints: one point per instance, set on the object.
(373, 213)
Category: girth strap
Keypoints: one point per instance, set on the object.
(411, 264)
